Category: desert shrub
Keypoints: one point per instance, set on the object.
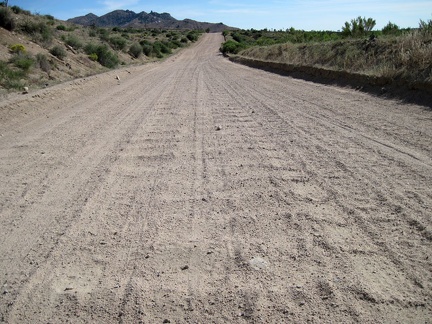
(90, 48)
(103, 34)
(23, 61)
(61, 27)
(17, 48)
(175, 44)
(6, 19)
(19, 10)
(74, 42)
(117, 42)
(136, 50)
(192, 36)
(92, 33)
(39, 31)
(184, 40)
(49, 17)
(425, 26)
(58, 51)
(164, 47)
(147, 49)
(358, 27)
(43, 62)
(391, 29)
(231, 46)
(106, 57)
(157, 49)
(102, 54)
(9, 78)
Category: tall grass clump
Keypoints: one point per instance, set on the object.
(10, 78)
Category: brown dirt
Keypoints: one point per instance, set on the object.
(199, 190)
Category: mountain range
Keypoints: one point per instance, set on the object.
(128, 18)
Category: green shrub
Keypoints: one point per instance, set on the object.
(17, 48)
(6, 19)
(103, 34)
(147, 49)
(117, 42)
(58, 51)
(358, 27)
(425, 26)
(164, 48)
(19, 10)
(61, 27)
(74, 42)
(231, 46)
(106, 57)
(391, 29)
(136, 50)
(102, 54)
(192, 36)
(40, 31)
(10, 79)
(23, 61)
(92, 33)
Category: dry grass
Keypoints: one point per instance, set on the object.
(408, 56)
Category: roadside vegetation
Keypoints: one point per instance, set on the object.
(391, 52)
(43, 50)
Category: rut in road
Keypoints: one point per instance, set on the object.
(198, 190)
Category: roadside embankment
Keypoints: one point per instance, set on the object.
(412, 91)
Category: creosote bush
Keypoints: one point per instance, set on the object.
(136, 50)
(103, 55)
(58, 51)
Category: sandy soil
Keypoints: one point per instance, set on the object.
(197, 190)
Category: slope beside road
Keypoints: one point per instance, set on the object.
(196, 190)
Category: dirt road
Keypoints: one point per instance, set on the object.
(200, 191)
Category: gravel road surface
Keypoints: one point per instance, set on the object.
(196, 190)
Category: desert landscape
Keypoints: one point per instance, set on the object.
(197, 190)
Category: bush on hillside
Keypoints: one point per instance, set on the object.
(59, 52)
(23, 61)
(74, 42)
(19, 11)
(118, 42)
(136, 50)
(10, 78)
(232, 47)
(6, 19)
(102, 54)
(43, 62)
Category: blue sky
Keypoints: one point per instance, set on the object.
(272, 14)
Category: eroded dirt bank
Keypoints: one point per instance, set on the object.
(199, 190)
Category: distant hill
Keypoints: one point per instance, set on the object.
(127, 18)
